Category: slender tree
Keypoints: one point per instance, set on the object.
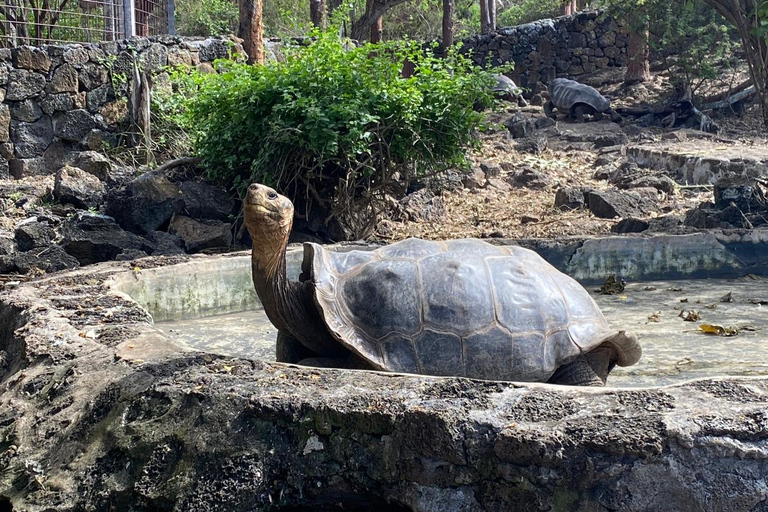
(750, 17)
(485, 17)
(375, 9)
(317, 12)
(638, 55)
(449, 6)
(251, 30)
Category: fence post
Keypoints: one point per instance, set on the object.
(129, 20)
(170, 13)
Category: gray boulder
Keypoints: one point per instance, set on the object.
(145, 203)
(32, 139)
(166, 244)
(92, 238)
(32, 234)
(199, 235)
(205, 201)
(570, 198)
(78, 188)
(49, 259)
(608, 204)
(73, 125)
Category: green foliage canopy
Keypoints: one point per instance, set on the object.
(337, 125)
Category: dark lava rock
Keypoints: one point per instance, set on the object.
(92, 238)
(545, 122)
(205, 201)
(630, 225)
(570, 198)
(31, 234)
(166, 244)
(535, 145)
(199, 235)
(520, 125)
(475, 178)
(661, 183)
(78, 188)
(131, 254)
(145, 204)
(6, 246)
(666, 224)
(742, 192)
(608, 204)
(610, 139)
(50, 259)
(423, 205)
(112, 174)
(490, 171)
(528, 178)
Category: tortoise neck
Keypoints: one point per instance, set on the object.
(290, 306)
(270, 278)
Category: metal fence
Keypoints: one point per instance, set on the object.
(38, 22)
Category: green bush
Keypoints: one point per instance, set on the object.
(337, 126)
(527, 11)
(206, 17)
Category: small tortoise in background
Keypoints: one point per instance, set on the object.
(506, 89)
(577, 100)
(455, 308)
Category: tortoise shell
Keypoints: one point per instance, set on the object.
(459, 308)
(566, 93)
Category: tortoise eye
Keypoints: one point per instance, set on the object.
(271, 196)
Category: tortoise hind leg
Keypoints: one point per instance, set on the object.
(549, 110)
(590, 369)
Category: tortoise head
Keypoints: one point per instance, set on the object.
(268, 217)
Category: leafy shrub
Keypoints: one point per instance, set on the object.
(206, 17)
(337, 126)
(527, 11)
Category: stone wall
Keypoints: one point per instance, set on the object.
(58, 100)
(569, 46)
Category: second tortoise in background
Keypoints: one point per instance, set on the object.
(577, 101)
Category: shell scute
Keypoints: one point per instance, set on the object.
(381, 298)
(457, 293)
(440, 353)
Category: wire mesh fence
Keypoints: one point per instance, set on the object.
(37, 22)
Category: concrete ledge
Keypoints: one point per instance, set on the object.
(98, 412)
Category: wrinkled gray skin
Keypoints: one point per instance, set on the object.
(506, 89)
(577, 100)
(455, 308)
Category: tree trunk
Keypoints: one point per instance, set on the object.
(491, 15)
(569, 7)
(377, 30)
(448, 7)
(251, 30)
(485, 17)
(375, 9)
(317, 12)
(638, 52)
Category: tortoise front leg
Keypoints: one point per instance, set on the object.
(578, 111)
(590, 369)
(290, 350)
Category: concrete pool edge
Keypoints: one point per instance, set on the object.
(95, 396)
(208, 285)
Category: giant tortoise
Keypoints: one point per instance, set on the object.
(455, 308)
(506, 89)
(577, 100)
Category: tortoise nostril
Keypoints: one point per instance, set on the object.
(253, 186)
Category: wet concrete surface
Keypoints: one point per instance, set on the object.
(674, 350)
